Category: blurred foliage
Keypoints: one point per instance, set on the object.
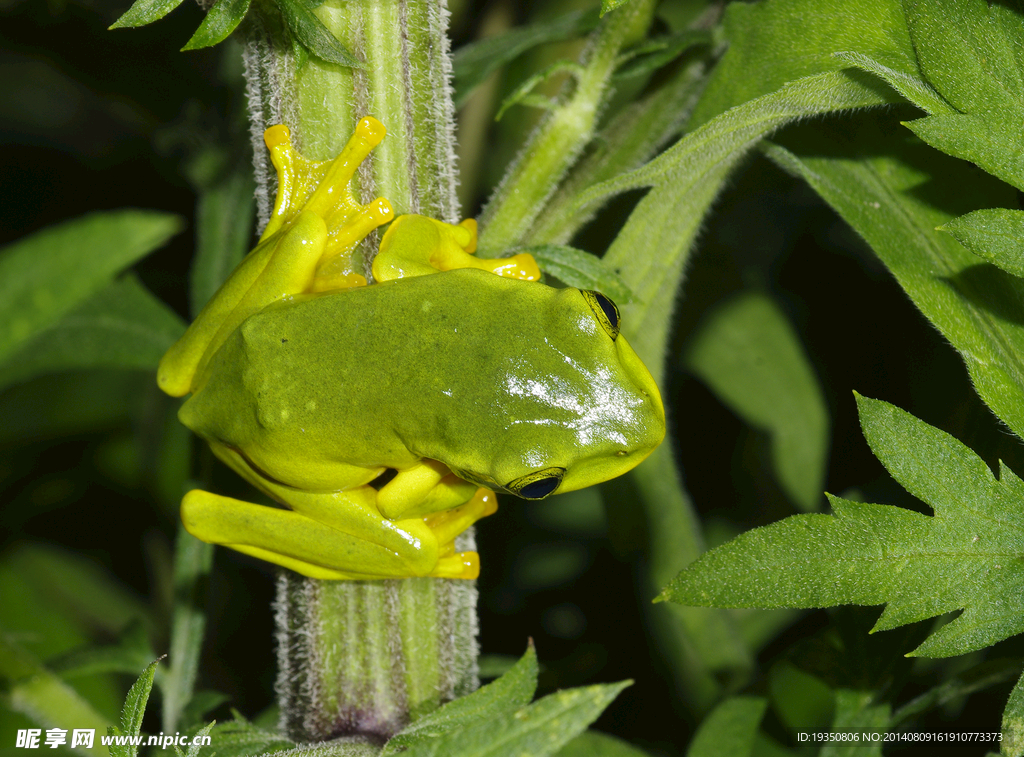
(788, 306)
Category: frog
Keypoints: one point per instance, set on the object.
(382, 413)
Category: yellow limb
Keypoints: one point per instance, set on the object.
(417, 246)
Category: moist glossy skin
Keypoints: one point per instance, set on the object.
(463, 381)
(500, 378)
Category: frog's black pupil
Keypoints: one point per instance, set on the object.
(610, 311)
(541, 488)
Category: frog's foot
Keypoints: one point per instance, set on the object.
(417, 246)
(325, 190)
(449, 524)
(316, 222)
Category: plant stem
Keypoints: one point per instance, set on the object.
(366, 657)
(560, 138)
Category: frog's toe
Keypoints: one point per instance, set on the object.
(464, 565)
(448, 524)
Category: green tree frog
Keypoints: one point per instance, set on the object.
(463, 376)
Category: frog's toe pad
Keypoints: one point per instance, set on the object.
(459, 565)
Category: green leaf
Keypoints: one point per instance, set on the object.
(962, 558)
(511, 692)
(597, 744)
(32, 690)
(610, 5)
(474, 62)
(131, 715)
(855, 709)
(539, 730)
(313, 35)
(652, 54)
(772, 44)
(195, 747)
(1013, 722)
(885, 190)
(995, 234)
(132, 653)
(730, 729)
(991, 141)
(904, 79)
(224, 232)
(121, 326)
(522, 95)
(44, 276)
(580, 269)
(969, 50)
(82, 591)
(239, 737)
(748, 354)
(222, 19)
(145, 12)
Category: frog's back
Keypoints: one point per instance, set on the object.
(340, 375)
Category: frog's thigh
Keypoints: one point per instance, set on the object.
(346, 546)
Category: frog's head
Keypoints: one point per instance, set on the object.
(568, 405)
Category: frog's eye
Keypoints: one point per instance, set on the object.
(604, 310)
(537, 485)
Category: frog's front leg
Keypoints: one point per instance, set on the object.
(305, 234)
(336, 535)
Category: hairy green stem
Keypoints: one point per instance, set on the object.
(366, 657)
(560, 138)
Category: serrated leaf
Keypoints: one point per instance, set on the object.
(222, 19)
(857, 710)
(885, 190)
(894, 71)
(38, 694)
(580, 269)
(132, 713)
(962, 558)
(44, 276)
(474, 62)
(539, 730)
(969, 51)
(994, 234)
(748, 354)
(597, 744)
(313, 35)
(1013, 722)
(145, 12)
(991, 142)
(121, 326)
(610, 5)
(730, 729)
(511, 692)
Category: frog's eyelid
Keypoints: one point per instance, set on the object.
(605, 311)
(537, 485)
